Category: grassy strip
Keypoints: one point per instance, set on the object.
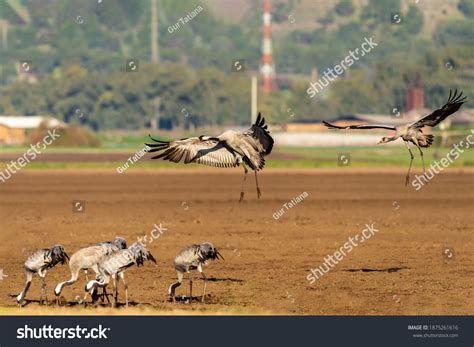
(283, 158)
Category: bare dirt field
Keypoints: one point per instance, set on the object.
(419, 262)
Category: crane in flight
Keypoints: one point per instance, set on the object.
(412, 133)
(230, 149)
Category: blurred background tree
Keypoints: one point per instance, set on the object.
(79, 51)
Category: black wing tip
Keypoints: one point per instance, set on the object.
(159, 141)
(260, 121)
(330, 126)
(455, 98)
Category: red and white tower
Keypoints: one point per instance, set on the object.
(268, 68)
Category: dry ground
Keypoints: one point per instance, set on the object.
(266, 260)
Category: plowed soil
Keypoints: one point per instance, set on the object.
(419, 262)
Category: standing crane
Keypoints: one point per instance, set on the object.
(114, 266)
(39, 262)
(230, 149)
(191, 258)
(88, 258)
(412, 133)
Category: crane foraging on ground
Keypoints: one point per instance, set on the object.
(191, 258)
(230, 149)
(114, 266)
(88, 258)
(39, 262)
(412, 133)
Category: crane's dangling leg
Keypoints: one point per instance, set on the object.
(243, 181)
(411, 162)
(422, 160)
(259, 194)
(21, 296)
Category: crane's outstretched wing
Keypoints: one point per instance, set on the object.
(361, 126)
(259, 132)
(194, 150)
(452, 105)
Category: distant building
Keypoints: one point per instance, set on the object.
(415, 98)
(13, 128)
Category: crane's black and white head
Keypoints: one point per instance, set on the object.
(99, 281)
(57, 255)
(140, 253)
(119, 242)
(209, 252)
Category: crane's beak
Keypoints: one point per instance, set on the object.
(150, 257)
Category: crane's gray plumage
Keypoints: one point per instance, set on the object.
(229, 149)
(412, 133)
(39, 262)
(114, 265)
(191, 258)
(88, 258)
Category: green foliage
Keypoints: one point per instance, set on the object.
(466, 7)
(281, 9)
(80, 64)
(71, 136)
(413, 22)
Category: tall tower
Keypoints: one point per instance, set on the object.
(268, 68)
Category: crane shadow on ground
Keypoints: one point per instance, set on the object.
(208, 299)
(33, 301)
(390, 269)
(228, 279)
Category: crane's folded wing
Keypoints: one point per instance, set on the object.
(260, 132)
